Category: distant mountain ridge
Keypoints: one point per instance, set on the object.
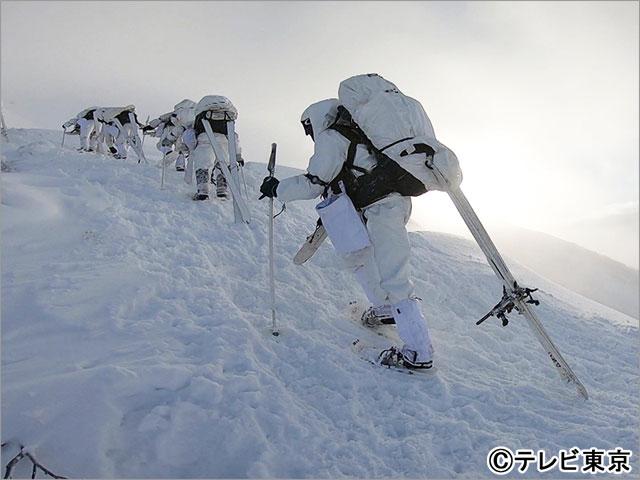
(588, 273)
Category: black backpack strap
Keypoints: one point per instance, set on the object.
(355, 139)
(395, 143)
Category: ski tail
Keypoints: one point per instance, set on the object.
(311, 245)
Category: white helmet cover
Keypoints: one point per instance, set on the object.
(186, 103)
(218, 105)
(321, 114)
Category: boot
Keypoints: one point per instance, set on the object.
(375, 316)
(202, 182)
(412, 329)
(180, 163)
(221, 186)
(403, 357)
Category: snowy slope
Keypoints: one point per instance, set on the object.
(135, 342)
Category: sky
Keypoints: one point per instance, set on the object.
(539, 100)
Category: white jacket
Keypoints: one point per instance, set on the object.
(329, 155)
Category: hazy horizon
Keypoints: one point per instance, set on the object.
(538, 100)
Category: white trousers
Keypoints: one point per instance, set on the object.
(182, 149)
(204, 158)
(106, 137)
(128, 135)
(384, 275)
(383, 270)
(164, 149)
(86, 129)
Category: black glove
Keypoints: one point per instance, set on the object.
(268, 187)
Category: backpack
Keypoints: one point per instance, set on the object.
(218, 110)
(400, 134)
(108, 114)
(367, 187)
(185, 117)
(185, 112)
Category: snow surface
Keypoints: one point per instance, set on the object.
(136, 342)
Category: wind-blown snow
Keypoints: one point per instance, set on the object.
(135, 341)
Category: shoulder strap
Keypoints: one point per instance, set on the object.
(355, 139)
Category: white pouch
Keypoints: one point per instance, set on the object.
(343, 224)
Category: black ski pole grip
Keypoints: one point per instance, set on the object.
(272, 160)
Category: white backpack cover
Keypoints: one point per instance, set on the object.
(220, 107)
(85, 111)
(107, 114)
(394, 123)
(186, 117)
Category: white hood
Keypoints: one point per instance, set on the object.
(186, 103)
(322, 114)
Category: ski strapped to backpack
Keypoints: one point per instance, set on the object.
(514, 297)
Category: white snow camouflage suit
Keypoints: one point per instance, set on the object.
(383, 272)
(88, 137)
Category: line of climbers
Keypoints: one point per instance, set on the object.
(181, 138)
(107, 130)
(374, 148)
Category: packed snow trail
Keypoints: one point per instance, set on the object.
(136, 341)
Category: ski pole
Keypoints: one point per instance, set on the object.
(246, 195)
(64, 133)
(272, 282)
(163, 167)
(146, 123)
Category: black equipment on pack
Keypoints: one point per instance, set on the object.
(123, 117)
(217, 126)
(385, 178)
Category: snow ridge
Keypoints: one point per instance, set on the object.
(135, 341)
